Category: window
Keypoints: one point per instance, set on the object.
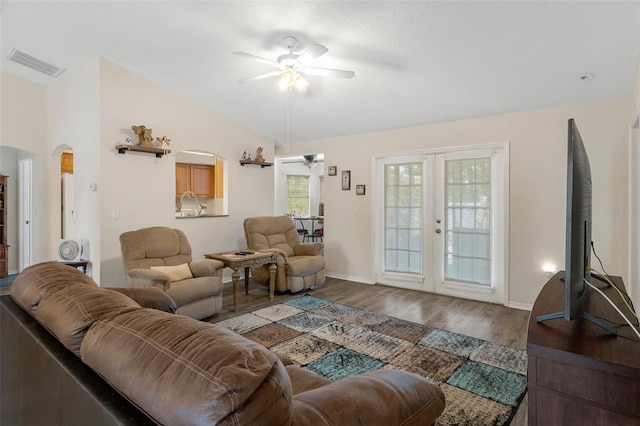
(468, 220)
(403, 217)
(298, 195)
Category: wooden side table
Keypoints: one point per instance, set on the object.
(246, 259)
(80, 264)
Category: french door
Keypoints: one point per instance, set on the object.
(441, 222)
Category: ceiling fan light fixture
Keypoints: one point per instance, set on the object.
(310, 164)
(285, 81)
(290, 78)
(300, 83)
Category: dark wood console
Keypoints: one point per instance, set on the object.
(578, 374)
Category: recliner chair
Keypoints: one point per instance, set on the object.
(161, 256)
(300, 265)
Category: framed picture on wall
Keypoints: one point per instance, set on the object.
(346, 180)
(333, 170)
(360, 189)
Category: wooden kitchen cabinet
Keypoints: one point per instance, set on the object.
(197, 178)
(66, 162)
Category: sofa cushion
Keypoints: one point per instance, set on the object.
(186, 291)
(149, 297)
(69, 312)
(154, 246)
(36, 281)
(271, 232)
(176, 273)
(301, 266)
(188, 371)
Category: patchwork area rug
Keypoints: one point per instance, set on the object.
(483, 383)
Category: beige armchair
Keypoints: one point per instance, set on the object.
(161, 257)
(300, 266)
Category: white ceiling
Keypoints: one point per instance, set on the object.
(416, 62)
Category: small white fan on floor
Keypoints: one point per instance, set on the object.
(73, 250)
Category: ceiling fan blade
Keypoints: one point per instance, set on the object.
(260, 77)
(315, 51)
(328, 72)
(257, 58)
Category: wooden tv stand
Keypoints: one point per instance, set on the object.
(578, 374)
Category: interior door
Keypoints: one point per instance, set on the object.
(634, 214)
(25, 201)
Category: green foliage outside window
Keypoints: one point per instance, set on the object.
(298, 195)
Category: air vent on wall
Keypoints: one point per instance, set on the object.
(34, 63)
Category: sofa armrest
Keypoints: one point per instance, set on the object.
(206, 268)
(274, 250)
(149, 297)
(379, 397)
(148, 277)
(309, 249)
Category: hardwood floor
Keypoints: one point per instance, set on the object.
(494, 323)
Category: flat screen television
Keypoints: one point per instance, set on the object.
(578, 233)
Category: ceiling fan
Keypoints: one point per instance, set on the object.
(291, 66)
(309, 161)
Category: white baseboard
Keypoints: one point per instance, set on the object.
(521, 306)
(362, 280)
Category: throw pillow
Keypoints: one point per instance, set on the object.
(176, 273)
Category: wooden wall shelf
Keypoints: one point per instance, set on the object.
(262, 164)
(159, 152)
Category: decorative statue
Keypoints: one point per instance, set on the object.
(259, 157)
(164, 143)
(144, 135)
(246, 156)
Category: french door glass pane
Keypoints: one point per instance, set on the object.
(468, 220)
(403, 217)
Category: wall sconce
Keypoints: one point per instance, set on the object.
(549, 269)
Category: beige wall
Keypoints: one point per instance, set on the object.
(91, 110)
(633, 284)
(142, 187)
(538, 144)
(23, 134)
(73, 111)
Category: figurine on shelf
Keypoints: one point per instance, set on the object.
(144, 135)
(259, 157)
(127, 141)
(164, 143)
(246, 156)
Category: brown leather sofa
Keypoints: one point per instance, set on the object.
(171, 369)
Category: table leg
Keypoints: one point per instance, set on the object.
(272, 281)
(234, 277)
(246, 281)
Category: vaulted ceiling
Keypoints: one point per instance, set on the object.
(415, 62)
